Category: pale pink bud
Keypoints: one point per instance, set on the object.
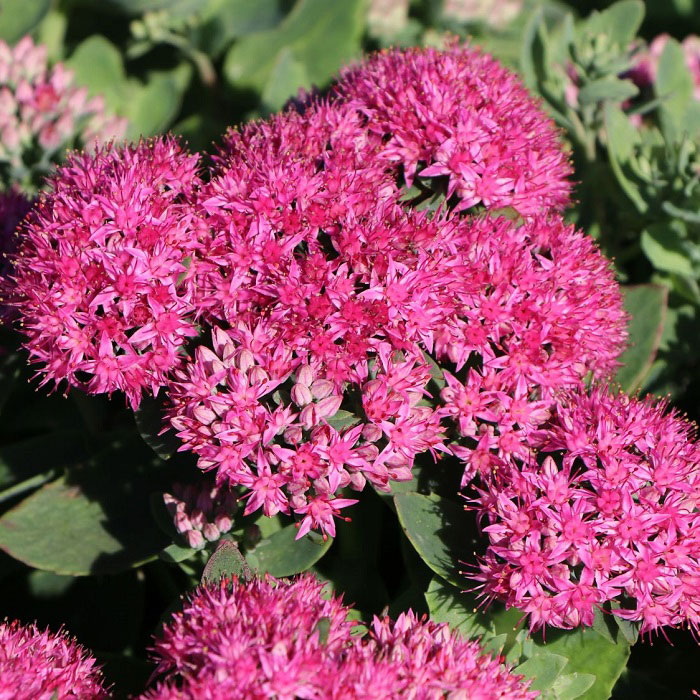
(211, 532)
(321, 388)
(309, 416)
(357, 481)
(198, 520)
(293, 435)
(301, 395)
(223, 522)
(245, 360)
(305, 375)
(257, 375)
(195, 539)
(329, 406)
(204, 415)
(371, 432)
(182, 522)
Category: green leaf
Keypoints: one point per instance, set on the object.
(439, 531)
(174, 554)
(588, 653)
(322, 36)
(95, 520)
(283, 555)
(674, 84)
(98, 66)
(232, 19)
(152, 107)
(448, 604)
(608, 88)
(543, 668)
(139, 7)
(288, 74)
(569, 686)
(226, 561)
(150, 422)
(646, 304)
(342, 419)
(19, 17)
(620, 21)
(663, 245)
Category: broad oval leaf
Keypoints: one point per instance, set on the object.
(646, 304)
(440, 531)
(281, 554)
(96, 520)
(19, 17)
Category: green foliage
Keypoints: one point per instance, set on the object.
(646, 306)
(88, 522)
(18, 17)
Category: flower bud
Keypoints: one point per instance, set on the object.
(293, 435)
(245, 360)
(195, 539)
(257, 375)
(223, 522)
(371, 432)
(329, 406)
(211, 532)
(301, 395)
(309, 416)
(321, 388)
(305, 375)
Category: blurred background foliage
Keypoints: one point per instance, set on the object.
(198, 66)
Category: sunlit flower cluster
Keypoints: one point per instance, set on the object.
(603, 510)
(43, 112)
(460, 115)
(269, 638)
(104, 273)
(37, 665)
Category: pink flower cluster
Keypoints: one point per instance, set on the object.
(328, 306)
(465, 117)
(101, 276)
(200, 513)
(284, 639)
(41, 107)
(38, 665)
(600, 507)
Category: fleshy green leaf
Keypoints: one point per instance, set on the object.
(646, 304)
(283, 555)
(342, 419)
(674, 84)
(321, 35)
(620, 21)
(588, 653)
(662, 243)
(19, 17)
(174, 554)
(226, 561)
(569, 686)
(150, 422)
(439, 531)
(448, 604)
(95, 520)
(543, 669)
(608, 88)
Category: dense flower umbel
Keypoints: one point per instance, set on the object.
(529, 308)
(38, 665)
(42, 111)
(201, 513)
(262, 639)
(608, 513)
(466, 117)
(269, 638)
(102, 277)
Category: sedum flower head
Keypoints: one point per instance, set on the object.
(606, 515)
(42, 113)
(463, 116)
(103, 277)
(318, 380)
(38, 665)
(270, 638)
